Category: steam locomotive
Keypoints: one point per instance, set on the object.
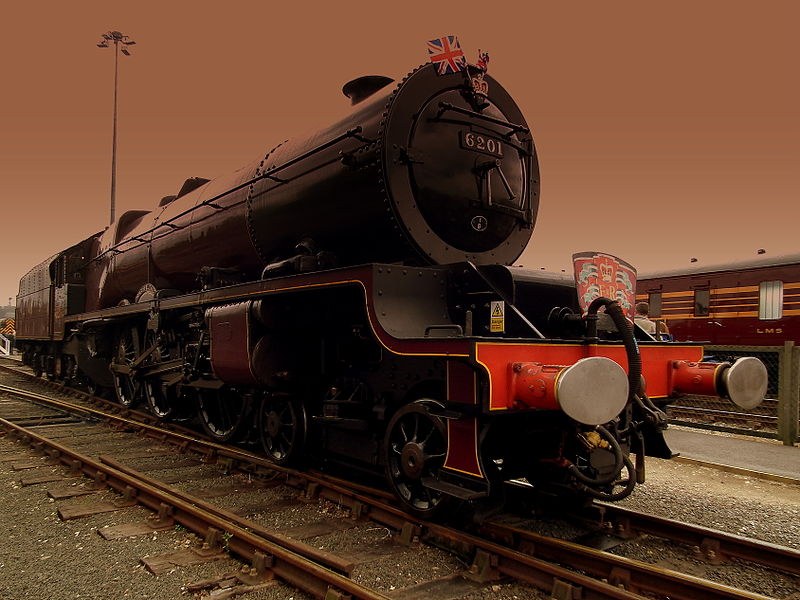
(348, 298)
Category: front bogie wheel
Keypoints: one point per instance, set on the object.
(415, 448)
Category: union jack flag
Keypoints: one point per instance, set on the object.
(447, 55)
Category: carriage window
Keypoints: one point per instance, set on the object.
(701, 300)
(770, 300)
(655, 304)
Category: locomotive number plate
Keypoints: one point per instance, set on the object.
(481, 143)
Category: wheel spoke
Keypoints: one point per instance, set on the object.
(416, 428)
(222, 414)
(428, 436)
(402, 430)
(426, 493)
(429, 457)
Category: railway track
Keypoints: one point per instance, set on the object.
(713, 545)
(299, 565)
(705, 412)
(680, 413)
(500, 550)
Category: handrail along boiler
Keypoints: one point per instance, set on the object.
(348, 298)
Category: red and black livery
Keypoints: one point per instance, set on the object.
(346, 298)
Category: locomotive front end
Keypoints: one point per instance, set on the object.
(569, 402)
(580, 418)
(461, 169)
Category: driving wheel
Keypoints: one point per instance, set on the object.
(127, 385)
(282, 423)
(165, 401)
(162, 399)
(223, 412)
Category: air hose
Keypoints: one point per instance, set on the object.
(630, 483)
(619, 458)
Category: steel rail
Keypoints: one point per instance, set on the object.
(50, 402)
(715, 545)
(265, 555)
(116, 411)
(632, 574)
(713, 412)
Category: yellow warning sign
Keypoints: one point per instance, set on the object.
(497, 322)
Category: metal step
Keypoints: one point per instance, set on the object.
(452, 489)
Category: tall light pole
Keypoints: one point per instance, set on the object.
(121, 42)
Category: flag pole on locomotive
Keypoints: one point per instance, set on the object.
(448, 57)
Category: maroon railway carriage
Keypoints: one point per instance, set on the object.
(754, 302)
(347, 298)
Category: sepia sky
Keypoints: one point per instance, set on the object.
(665, 131)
